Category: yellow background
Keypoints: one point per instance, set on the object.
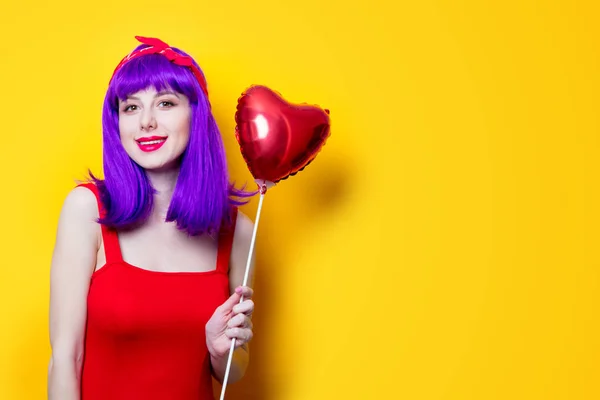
(442, 246)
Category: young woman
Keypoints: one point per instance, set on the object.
(147, 268)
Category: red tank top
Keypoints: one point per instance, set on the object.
(145, 336)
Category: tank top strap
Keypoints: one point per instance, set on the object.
(225, 244)
(110, 238)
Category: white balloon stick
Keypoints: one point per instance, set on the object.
(263, 190)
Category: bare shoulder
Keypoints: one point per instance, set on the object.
(81, 201)
(78, 216)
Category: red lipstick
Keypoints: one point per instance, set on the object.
(151, 143)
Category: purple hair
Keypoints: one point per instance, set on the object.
(203, 196)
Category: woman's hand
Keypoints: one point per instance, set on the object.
(230, 320)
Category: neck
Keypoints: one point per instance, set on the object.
(164, 183)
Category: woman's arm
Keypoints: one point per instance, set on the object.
(73, 261)
(233, 313)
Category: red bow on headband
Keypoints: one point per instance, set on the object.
(157, 46)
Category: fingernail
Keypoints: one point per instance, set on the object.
(238, 290)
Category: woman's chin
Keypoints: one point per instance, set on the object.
(159, 165)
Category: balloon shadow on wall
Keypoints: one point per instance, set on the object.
(319, 193)
(324, 190)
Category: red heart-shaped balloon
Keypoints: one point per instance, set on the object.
(278, 139)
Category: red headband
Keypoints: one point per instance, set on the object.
(157, 46)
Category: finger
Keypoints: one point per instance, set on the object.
(238, 320)
(247, 322)
(241, 334)
(245, 291)
(230, 302)
(245, 307)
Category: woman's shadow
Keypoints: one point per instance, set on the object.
(323, 188)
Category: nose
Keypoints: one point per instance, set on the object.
(147, 119)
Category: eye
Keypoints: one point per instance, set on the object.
(166, 103)
(128, 108)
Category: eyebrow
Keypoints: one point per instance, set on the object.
(161, 93)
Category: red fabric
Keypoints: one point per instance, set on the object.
(145, 336)
(157, 46)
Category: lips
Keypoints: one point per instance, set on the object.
(151, 143)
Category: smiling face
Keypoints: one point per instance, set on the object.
(155, 127)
